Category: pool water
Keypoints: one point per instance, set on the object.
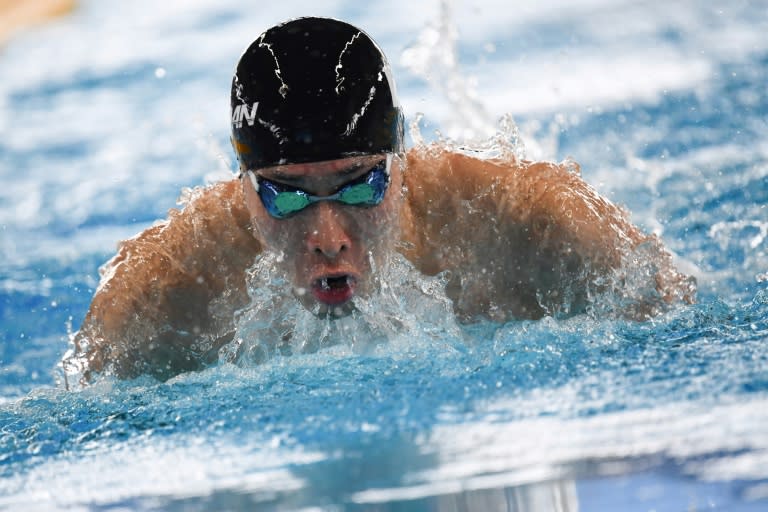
(106, 115)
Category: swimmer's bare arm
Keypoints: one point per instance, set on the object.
(529, 239)
(167, 299)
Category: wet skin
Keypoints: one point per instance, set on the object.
(327, 248)
(520, 240)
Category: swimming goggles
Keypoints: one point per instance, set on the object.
(281, 201)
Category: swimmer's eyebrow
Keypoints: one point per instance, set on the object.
(294, 179)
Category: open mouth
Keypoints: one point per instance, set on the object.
(335, 289)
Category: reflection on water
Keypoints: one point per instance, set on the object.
(557, 496)
(647, 491)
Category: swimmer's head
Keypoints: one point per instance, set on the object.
(318, 133)
(311, 90)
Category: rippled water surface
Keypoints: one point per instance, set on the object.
(107, 114)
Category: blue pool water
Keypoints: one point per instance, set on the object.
(107, 114)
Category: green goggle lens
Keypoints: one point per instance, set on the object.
(290, 202)
(282, 201)
(357, 194)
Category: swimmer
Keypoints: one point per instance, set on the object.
(326, 183)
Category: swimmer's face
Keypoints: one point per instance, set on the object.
(329, 248)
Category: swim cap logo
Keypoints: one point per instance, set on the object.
(241, 111)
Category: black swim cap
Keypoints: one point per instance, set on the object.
(313, 89)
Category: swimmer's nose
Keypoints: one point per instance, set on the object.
(327, 235)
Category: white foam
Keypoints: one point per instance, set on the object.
(588, 81)
(182, 467)
(493, 452)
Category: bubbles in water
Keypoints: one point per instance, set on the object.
(74, 365)
(405, 307)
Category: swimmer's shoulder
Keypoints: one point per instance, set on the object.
(217, 214)
(436, 175)
(455, 202)
(172, 287)
(222, 200)
(439, 176)
(208, 235)
(216, 226)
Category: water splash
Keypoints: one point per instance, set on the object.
(504, 144)
(433, 57)
(470, 126)
(406, 305)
